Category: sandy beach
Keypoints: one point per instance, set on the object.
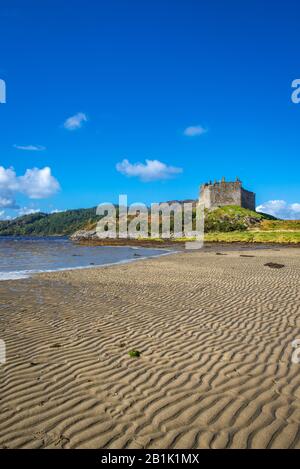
(214, 330)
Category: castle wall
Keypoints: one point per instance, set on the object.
(205, 197)
(226, 193)
(248, 200)
(214, 195)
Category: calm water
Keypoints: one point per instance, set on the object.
(20, 257)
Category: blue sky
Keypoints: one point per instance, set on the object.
(201, 87)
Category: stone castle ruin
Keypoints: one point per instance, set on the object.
(218, 194)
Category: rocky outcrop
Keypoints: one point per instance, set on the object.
(82, 235)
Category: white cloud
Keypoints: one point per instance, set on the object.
(3, 216)
(30, 147)
(280, 209)
(8, 202)
(56, 210)
(75, 122)
(194, 131)
(151, 171)
(8, 186)
(35, 184)
(8, 180)
(27, 211)
(38, 183)
(295, 207)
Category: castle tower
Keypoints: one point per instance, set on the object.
(223, 193)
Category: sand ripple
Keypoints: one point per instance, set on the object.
(215, 370)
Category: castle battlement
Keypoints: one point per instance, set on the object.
(220, 193)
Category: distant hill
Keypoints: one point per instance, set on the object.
(44, 224)
(223, 219)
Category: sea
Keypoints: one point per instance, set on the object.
(21, 257)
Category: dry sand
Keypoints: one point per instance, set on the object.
(215, 370)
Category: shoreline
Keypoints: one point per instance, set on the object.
(22, 274)
(167, 248)
(167, 244)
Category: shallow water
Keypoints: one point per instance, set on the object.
(22, 256)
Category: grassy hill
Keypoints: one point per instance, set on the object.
(278, 237)
(233, 218)
(222, 219)
(280, 225)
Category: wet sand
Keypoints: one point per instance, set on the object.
(214, 329)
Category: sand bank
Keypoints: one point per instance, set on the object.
(215, 370)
